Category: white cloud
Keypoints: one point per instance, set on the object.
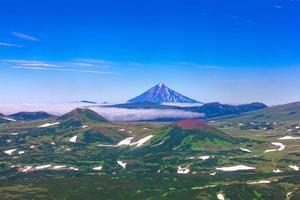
(122, 114)
(50, 66)
(112, 114)
(64, 70)
(4, 44)
(25, 36)
(39, 65)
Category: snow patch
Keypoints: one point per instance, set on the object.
(183, 170)
(9, 119)
(25, 169)
(235, 168)
(126, 141)
(277, 171)
(204, 157)
(48, 125)
(220, 196)
(141, 141)
(21, 152)
(57, 167)
(294, 167)
(99, 168)
(288, 137)
(10, 151)
(259, 182)
(246, 150)
(41, 167)
(122, 164)
(280, 145)
(73, 139)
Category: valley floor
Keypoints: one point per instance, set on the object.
(51, 163)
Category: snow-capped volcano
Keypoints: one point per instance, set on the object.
(161, 94)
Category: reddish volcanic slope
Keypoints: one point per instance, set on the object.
(192, 124)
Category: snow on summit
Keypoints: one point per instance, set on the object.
(162, 94)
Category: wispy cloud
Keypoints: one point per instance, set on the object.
(196, 65)
(30, 63)
(63, 70)
(208, 67)
(39, 65)
(84, 64)
(87, 62)
(25, 36)
(4, 44)
(63, 66)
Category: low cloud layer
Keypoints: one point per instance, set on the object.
(110, 113)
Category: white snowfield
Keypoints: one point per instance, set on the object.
(126, 141)
(183, 170)
(294, 167)
(99, 168)
(289, 137)
(48, 125)
(277, 171)
(73, 139)
(84, 126)
(56, 167)
(21, 152)
(9, 119)
(235, 168)
(26, 169)
(106, 145)
(42, 167)
(10, 151)
(246, 150)
(213, 174)
(280, 145)
(46, 167)
(220, 196)
(141, 141)
(74, 168)
(122, 164)
(259, 182)
(204, 157)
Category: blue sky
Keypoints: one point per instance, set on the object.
(211, 50)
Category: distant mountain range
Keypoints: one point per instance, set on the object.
(210, 110)
(24, 116)
(285, 112)
(28, 116)
(161, 94)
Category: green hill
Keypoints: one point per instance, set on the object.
(284, 112)
(102, 135)
(192, 135)
(79, 117)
